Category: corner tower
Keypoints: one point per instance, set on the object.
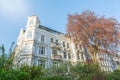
(33, 21)
(26, 42)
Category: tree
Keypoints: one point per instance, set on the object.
(97, 33)
(6, 60)
(59, 72)
(87, 72)
(115, 75)
(3, 56)
(34, 72)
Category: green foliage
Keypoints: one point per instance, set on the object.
(60, 70)
(65, 71)
(3, 57)
(87, 72)
(13, 75)
(55, 78)
(23, 73)
(6, 59)
(114, 75)
(32, 71)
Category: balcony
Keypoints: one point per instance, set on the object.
(68, 49)
(55, 45)
(56, 57)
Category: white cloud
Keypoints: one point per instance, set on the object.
(14, 8)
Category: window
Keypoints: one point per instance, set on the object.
(42, 50)
(42, 38)
(82, 56)
(54, 52)
(51, 40)
(31, 22)
(56, 42)
(78, 56)
(56, 64)
(63, 44)
(69, 55)
(76, 46)
(29, 34)
(25, 61)
(80, 47)
(27, 47)
(41, 63)
(67, 45)
(65, 55)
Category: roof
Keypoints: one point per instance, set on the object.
(50, 30)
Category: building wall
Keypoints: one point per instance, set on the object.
(39, 45)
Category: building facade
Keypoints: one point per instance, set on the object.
(39, 45)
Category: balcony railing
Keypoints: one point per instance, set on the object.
(56, 57)
(55, 45)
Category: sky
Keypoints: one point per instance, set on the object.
(52, 14)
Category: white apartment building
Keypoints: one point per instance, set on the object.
(43, 46)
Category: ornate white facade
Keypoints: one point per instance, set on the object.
(40, 45)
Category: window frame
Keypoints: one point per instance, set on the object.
(29, 34)
(65, 55)
(41, 63)
(31, 22)
(42, 50)
(27, 48)
(69, 55)
(42, 38)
